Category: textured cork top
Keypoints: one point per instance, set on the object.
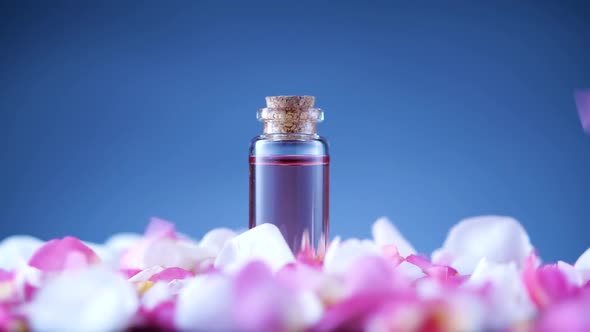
(290, 115)
(290, 102)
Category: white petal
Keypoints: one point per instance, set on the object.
(499, 239)
(121, 242)
(157, 294)
(583, 262)
(205, 304)
(574, 276)
(216, 239)
(510, 302)
(583, 266)
(84, 300)
(340, 257)
(172, 253)
(15, 251)
(310, 311)
(146, 274)
(385, 233)
(411, 271)
(263, 242)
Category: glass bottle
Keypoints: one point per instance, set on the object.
(289, 173)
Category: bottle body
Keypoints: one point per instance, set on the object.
(289, 187)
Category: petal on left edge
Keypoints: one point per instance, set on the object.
(16, 250)
(60, 254)
(92, 299)
(583, 105)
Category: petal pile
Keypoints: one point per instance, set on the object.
(485, 277)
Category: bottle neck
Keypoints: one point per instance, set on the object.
(283, 127)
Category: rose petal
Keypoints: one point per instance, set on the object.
(547, 284)
(61, 254)
(146, 274)
(263, 242)
(568, 316)
(215, 239)
(373, 274)
(508, 301)
(205, 304)
(499, 239)
(583, 105)
(160, 229)
(385, 233)
(83, 300)
(171, 253)
(573, 276)
(15, 251)
(171, 273)
(340, 257)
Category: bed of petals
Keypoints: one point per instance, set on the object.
(485, 277)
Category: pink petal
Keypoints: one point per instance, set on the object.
(6, 275)
(61, 254)
(129, 273)
(352, 313)
(547, 284)
(392, 254)
(568, 316)
(583, 104)
(373, 274)
(257, 290)
(445, 274)
(160, 229)
(171, 273)
(162, 316)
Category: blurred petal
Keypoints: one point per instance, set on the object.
(160, 229)
(385, 233)
(146, 274)
(265, 299)
(499, 239)
(583, 266)
(171, 273)
(205, 304)
(583, 104)
(17, 250)
(171, 253)
(263, 242)
(437, 272)
(83, 300)
(508, 301)
(216, 238)
(573, 276)
(568, 316)
(547, 284)
(341, 256)
(161, 316)
(352, 313)
(373, 274)
(60, 254)
(583, 262)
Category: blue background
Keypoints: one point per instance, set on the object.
(113, 112)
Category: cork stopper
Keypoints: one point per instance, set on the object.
(290, 102)
(290, 115)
